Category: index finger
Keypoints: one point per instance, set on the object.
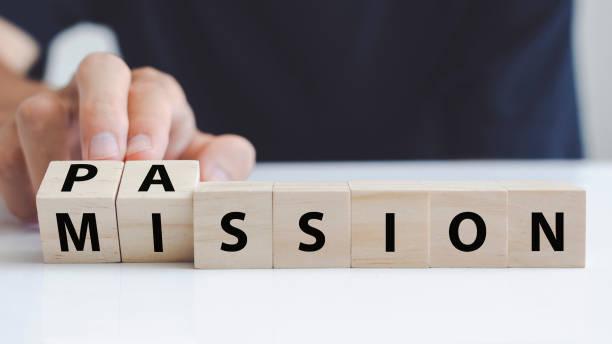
(103, 82)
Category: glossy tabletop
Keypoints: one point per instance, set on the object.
(174, 303)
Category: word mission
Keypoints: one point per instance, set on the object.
(159, 211)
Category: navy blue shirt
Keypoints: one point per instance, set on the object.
(380, 79)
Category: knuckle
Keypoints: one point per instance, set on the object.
(151, 75)
(33, 112)
(146, 72)
(239, 144)
(102, 59)
(142, 87)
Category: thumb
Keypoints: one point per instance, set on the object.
(222, 158)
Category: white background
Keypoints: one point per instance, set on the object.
(593, 51)
(174, 303)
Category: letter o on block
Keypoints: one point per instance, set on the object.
(468, 225)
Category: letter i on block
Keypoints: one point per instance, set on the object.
(312, 225)
(390, 224)
(468, 225)
(546, 224)
(233, 225)
(155, 210)
(76, 212)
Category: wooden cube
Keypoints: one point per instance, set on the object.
(389, 224)
(76, 212)
(233, 225)
(546, 224)
(155, 210)
(468, 225)
(311, 225)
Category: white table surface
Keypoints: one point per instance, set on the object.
(173, 303)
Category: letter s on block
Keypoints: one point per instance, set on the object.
(317, 234)
(237, 232)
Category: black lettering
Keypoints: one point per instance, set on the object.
(164, 179)
(73, 175)
(237, 232)
(158, 243)
(317, 234)
(539, 221)
(481, 231)
(64, 223)
(390, 232)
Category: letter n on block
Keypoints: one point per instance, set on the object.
(468, 225)
(233, 225)
(155, 210)
(546, 224)
(76, 212)
(312, 225)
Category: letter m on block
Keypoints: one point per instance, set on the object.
(64, 224)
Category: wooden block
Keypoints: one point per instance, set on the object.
(155, 210)
(233, 225)
(390, 224)
(76, 212)
(546, 225)
(468, 225)
(311, 225)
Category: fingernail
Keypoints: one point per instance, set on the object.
(103, 145)
(217, 174)
(139, 143)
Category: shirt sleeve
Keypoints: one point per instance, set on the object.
(43, 20)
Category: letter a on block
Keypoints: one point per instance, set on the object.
(155, 210)
(76, 212)
(546, 224)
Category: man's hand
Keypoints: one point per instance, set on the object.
(109, 112)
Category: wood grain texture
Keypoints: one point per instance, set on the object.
(409, 204)
(135, 209)
(212, 201)
(290, 202)
(487, 200)
(95, 196)
(548, 198)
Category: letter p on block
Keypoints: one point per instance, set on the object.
(76, 212)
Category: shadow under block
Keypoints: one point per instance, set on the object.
(79, 225)
(390, 224)
(468, 225)
(534, 207)
(233, 225)
(312, 226)
(155, 210)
